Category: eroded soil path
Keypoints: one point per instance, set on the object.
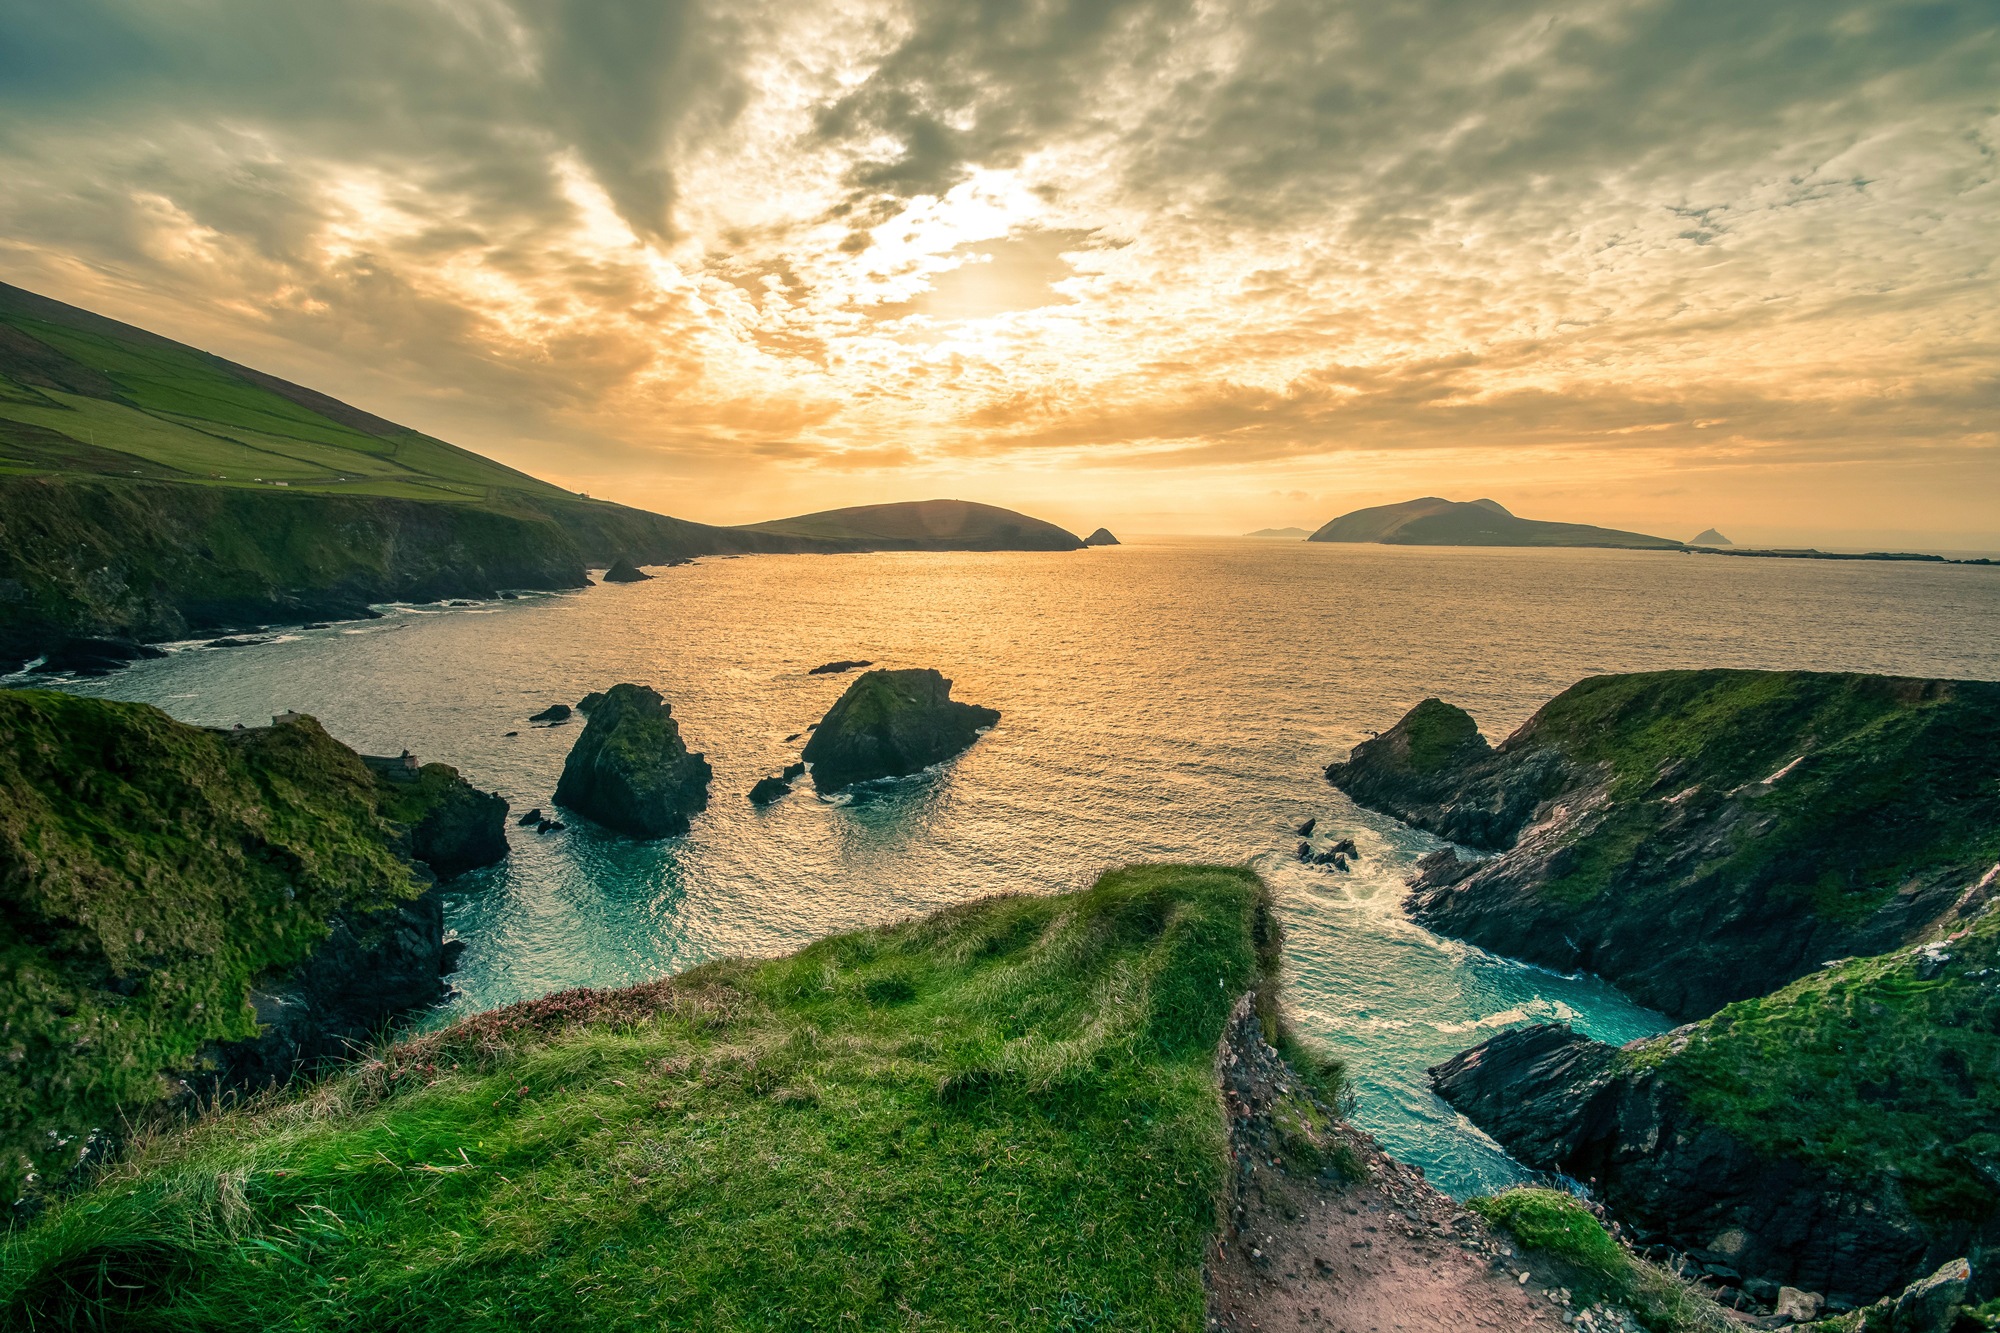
(1308, 1250)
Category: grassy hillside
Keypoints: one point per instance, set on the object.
(1874, 1068)
(149, 871)
(929, 525)
(81, 394)
(1003, 1115)
(1432, 521)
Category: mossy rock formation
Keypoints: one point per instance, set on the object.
(630, 770)
(183, 908)
(1841, 1135)
(1700, 837)
(891, 723)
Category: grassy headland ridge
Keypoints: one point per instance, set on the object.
(1841, 1134)
(1701, 836)
(1432, 521)
(927, 525)
(153, 873)
(1004, 1114)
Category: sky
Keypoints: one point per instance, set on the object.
(1167, 265)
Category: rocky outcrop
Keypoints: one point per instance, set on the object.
(453, 826)
(1101, 537)
(624, 571)
(768, 789)
(891, 723)
(630, 769)
(1841, 1135)
(839, 667)
(1700, 837)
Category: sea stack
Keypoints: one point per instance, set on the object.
(630, 770)
(890, 723)
(1710, 537)
(1101, 537)
(624, 571)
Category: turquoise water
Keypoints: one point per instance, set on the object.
(1167, 700)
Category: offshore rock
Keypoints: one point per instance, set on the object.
(630, 770)
(553, 713)
(890, 723)
(1101, 537)
(836, 668)
(624, 571)
(769, 789)
(1700, 837)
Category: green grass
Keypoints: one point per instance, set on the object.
(999, 1116)
(1897, 779)
(1595, 1267)
(1439, 734)
(1865, 1069)
(149, 871)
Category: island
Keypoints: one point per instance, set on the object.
(1431, 521)
(630, 770)
(923, 525)
(1280, 534)
(1101, 537)
(1710, 537)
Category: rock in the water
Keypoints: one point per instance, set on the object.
(553, 713)
(1306, 852)
(94, 657)
(793, 770)
(449, 955)
(890, 723)
(768, 790)
(794, 736)
(453, 826)
(630, 770)
(1101, 537)
(835, 668)
(533, 816)
(625, 572)
(1305, 830)
(550, 826)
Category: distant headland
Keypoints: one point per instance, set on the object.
(1432, 521)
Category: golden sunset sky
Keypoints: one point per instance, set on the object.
(1168, 265)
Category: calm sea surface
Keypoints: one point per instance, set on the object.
(1163, 700)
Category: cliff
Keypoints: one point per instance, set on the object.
(1841, 1135)
(186, 909)
(1432, 521)
(889, 724)
(1700, 837)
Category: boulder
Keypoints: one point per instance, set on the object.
(1931, 1304)
(624, 571)
(1305, 830)
(835, 668)
(890, 723)
(768, 790)
(553, 713)
(1801, 1307)
(630, 770)
(1101, 537)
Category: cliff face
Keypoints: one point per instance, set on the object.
(1700, 837)
(891, 723)
(630, 770)
(1840, 1136)
(184, 909)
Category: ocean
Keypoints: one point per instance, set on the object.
(1166, 700)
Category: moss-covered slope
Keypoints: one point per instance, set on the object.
(150, 872)
(1701, 836)
(1841, 1135)
(1003, 1115)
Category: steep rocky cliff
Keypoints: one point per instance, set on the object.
(1700, 836)
(890, 723)
(184, 909)
(630, 770)
(1841, 1135)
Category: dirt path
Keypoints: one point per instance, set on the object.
(1307, 1251)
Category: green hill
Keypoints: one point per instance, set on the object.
(927, 525)
(1003, 1115)
(1431, 521)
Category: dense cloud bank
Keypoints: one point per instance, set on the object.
(704, 241)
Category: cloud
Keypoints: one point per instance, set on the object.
(763, 242)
